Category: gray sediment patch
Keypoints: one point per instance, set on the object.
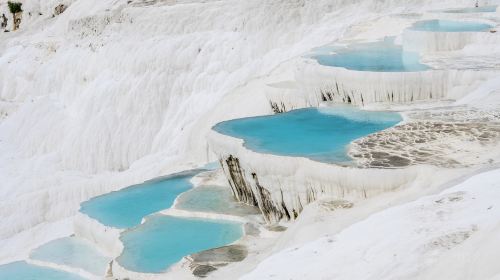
(333, 205)
(276, 228)
(204, 262)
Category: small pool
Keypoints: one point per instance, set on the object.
(24, 271)
(164, 240)
(213, 199)
(126, 208)
(73, 252)
(484, 9)
(320, 134)
(382, 56)
(438, 25)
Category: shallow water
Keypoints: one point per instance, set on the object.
(126, 208)
(320, 134)
(73, 252)
(382, 56)
(213, 199)
(485, 9)
(24, 271)
(449, 26)
(164, 240)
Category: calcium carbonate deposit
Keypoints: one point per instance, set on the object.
(261, 139)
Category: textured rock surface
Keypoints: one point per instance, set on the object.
(447, 139)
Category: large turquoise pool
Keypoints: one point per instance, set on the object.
(438, 25)
(73, 252)
(126, 208)
(24, 271)
(382, 56)
(164, 240)
(320, 134)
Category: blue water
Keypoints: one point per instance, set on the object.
(73, 252)
(163, 240)
(484, 9)
(449, 26)
(24, 271)
(213, 199)
(382, 56)
(319, 134)
(127, 207)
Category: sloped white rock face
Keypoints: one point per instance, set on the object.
(105, 84)
(110, 93)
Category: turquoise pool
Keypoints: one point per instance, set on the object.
(438, 25)
(382, 56)
(213, 199)
(164, 240)
(24, 271)
(126, 208)
(73, 252)
(320, 134)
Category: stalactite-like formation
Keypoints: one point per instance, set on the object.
(241, 189)
(266, 203)
(253, 193)
(278, 108)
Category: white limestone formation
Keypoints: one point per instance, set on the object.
(313, 84)
(282, 186)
